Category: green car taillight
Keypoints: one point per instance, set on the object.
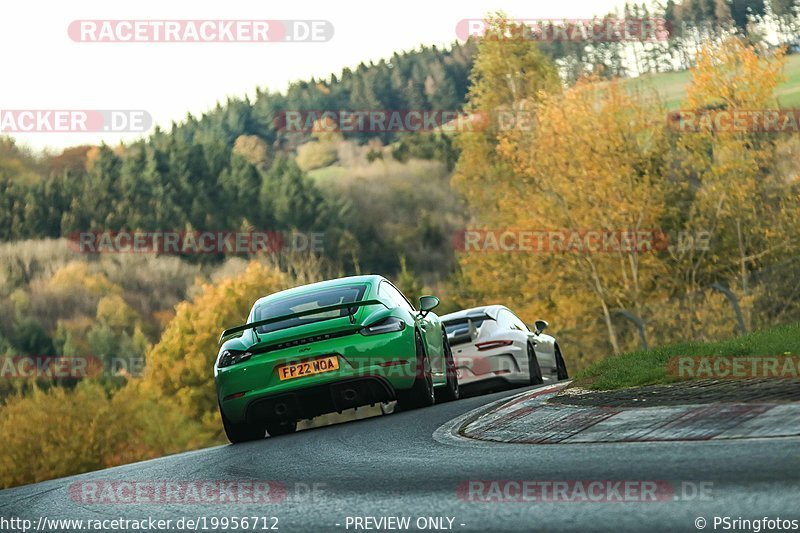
(386, 325)
(231, 357)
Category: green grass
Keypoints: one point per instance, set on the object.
(671, 86)
(636, 369)
(789, 91)
(331, 173)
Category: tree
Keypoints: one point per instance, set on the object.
(241, 185)
(735, 193)
(408, 282)
(786, 12)
(62, 432)
(613, 188)
(253, 148)
(743, 11)
(293, 200)
(508, 77)
(178, 365)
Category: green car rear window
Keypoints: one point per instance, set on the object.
(308, 301)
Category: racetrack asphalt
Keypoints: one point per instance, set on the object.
(392, 466)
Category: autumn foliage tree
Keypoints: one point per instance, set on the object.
(593, 164)
(601, 156)
(62, 432)
(180, 365)
(508, 78)
(731, 188)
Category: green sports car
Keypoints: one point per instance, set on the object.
(327, 347)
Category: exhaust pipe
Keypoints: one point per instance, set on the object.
(350, 395)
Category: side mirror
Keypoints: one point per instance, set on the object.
(539, 326)
(427, 304)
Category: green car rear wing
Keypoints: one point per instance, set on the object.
(352, 306)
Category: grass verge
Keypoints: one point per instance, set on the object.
(640, 368)
(672, 85)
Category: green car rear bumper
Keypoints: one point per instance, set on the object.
(371, 370)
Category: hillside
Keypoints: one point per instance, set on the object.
(672, 85)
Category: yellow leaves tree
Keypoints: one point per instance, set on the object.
(62, 432)
(114, 311)
(572, 160)
(77, 275)
(599, 156)
(509, 76)
(172, 408)
(253, 148)
(732, 187)
(735, 74)
(32, 437)
(593, 163)
(180, 365)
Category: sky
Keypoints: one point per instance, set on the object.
(44, 69)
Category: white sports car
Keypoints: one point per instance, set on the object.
(492, 347)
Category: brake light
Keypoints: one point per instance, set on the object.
(234, 396)
(231, 357)
(386, 325)
(490, 345)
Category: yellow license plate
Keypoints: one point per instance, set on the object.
(308, 368)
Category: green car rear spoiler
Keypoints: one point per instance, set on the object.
(352, 306)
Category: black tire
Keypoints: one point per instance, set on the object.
(237, 433)
(561, 366)
(449, 392)
(277, 428)
(534, 370)
(421, 392)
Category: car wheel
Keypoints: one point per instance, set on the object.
(561, 367)
(237, 433)
(276, 428)
(534, 370)
(450, 391)
(421, 392)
